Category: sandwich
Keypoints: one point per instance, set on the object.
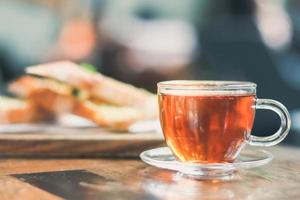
(65, 87)
(99, 87)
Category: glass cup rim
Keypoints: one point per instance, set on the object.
(206, 85)
(206, 88)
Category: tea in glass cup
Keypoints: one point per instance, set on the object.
(211, 121)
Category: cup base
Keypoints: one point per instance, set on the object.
(163, 158)
(223, 177)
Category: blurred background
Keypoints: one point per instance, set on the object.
(145, 41)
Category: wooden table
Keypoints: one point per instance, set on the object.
(132, 179)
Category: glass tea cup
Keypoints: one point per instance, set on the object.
(211, 121)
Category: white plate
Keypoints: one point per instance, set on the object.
(69, 121)
(164, 158)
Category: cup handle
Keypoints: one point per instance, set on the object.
(282, 132)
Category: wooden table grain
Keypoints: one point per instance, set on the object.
(132, 179)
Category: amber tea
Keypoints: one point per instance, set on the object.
(208, 128)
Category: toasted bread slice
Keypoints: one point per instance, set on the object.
(25, 85)
(68, 72)
(113, 117)
(14, 110)
(109, 116)
(99, 86)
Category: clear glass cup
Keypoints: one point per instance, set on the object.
(211, 121)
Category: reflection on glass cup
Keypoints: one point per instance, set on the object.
(211, 121)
